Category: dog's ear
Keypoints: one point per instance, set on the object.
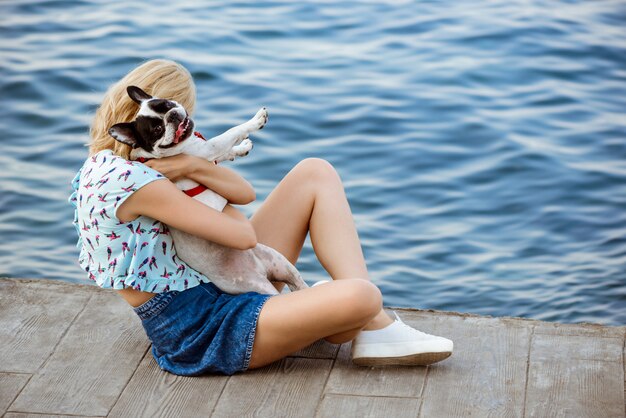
(137, 94)
(125, 133)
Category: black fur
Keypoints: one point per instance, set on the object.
(142, 133)
(145, 131)
(161, 105)
(124, 132)
(137, 94)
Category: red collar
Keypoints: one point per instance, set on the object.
(190, 192)
(199, 135)
(196, 190)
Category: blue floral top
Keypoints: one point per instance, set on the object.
(139, 254)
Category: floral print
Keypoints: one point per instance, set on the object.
(139, 254)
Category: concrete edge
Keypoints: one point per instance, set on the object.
(588, 325)
(530, 321)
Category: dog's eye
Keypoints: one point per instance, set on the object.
(158, 130)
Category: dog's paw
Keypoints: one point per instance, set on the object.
(259, 120)
(242, 149)
(240, 138)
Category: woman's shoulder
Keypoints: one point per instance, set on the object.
(105, 182)
(106, 178)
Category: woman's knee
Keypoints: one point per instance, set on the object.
(317, 169)
(346, 304)
(361, 299)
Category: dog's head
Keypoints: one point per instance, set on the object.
(160, 125)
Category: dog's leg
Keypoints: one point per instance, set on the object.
(220, 148)
(279, 269)
(233, 271)
(240, 150)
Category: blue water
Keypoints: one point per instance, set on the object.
(482, 144)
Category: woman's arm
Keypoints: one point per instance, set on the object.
(163, 201)
(222, 180)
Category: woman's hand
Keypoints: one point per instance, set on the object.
(175, 167)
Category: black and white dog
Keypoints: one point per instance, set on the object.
(162, 129)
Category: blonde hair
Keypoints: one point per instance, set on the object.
(159, 78)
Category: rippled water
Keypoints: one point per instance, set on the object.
(482, 145)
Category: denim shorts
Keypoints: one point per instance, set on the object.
(202, 330)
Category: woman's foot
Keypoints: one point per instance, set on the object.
(399, 344)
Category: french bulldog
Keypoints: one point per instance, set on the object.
(163, 128)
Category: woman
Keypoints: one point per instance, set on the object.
(122, 212)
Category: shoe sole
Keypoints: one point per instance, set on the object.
(422, 359)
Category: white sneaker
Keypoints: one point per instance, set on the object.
(320, 282)
(399, 344)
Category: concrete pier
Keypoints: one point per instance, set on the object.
(78, 350)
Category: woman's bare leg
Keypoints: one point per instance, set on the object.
(311, 199)
(291, 321)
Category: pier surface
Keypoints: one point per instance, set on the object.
(78, 350)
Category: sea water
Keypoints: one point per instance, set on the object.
(482, 145)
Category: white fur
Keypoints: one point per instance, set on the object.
(233, 271)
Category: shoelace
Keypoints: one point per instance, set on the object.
(410, 328)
